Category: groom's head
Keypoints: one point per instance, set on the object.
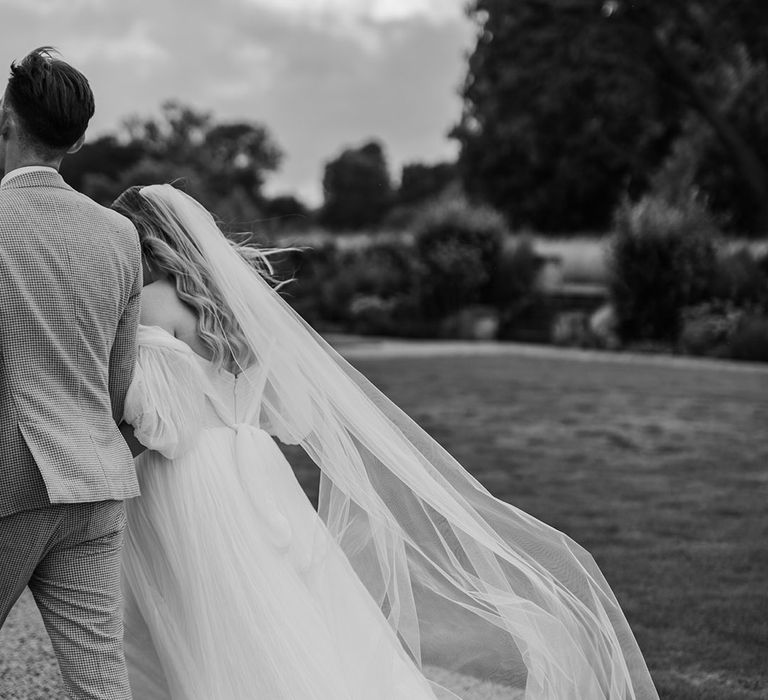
(46, 107)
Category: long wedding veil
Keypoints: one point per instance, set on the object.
(468, 582)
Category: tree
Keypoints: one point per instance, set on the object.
(221, 164)
(238, 155)
(420, 182)
(713, 56)
(561, 115)
(458, 248)
(286, 212)
(106, 157)
(567, 101)
(357, 188)
(173, 135)
(662, 260)
(720, 176)
(700, 163)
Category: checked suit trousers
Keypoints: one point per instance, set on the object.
(70, 556)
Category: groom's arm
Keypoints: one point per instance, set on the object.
(122, 359)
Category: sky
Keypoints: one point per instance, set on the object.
(322, 75)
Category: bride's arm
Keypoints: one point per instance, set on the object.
(154, 311)
(126, 429)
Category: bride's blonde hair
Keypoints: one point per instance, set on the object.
(168, 249)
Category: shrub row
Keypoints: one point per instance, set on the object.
(459, 274)
(419, 285)
(672, 284)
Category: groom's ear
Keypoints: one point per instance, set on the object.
(77, 145)
(5, 121)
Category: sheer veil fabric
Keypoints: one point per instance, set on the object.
(469, 583)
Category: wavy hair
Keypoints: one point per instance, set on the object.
(167, 249)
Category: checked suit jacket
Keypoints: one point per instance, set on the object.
(70, 286)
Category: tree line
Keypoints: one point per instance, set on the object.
(225, 166)
(570, 107)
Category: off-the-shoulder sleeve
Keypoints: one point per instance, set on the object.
(165, 400)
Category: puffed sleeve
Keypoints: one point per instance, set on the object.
(164, 403)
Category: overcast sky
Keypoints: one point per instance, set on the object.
(321, 74)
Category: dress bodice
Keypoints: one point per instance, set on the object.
(231, 399)
(176, 393)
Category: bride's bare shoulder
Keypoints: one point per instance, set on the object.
(161, 306)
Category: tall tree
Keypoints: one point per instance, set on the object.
(714, 56)
(561, 115)
(106, 157)
(224, 165)
(420, 182)
(357, 188)
(285, 212)
(571, 101)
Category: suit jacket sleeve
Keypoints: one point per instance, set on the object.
(122, 359)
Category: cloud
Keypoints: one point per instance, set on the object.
(366, 10)
(320, 74)
(359, 20)
(135, 46)
(333, 94)
(252, 69)
(431, 10)
(45, 8)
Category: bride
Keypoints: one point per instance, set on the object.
(408, 577)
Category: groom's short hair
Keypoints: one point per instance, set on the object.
(52, 100)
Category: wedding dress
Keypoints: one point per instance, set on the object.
(235, 588)
(410, 570)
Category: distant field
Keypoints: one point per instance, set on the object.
(582, 258)
(661, 472)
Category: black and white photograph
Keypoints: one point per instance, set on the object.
(383, 350)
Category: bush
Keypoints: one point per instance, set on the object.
(471, 323)
(602, 327)
(515, 273)
(376, 289)
(742, 279)
(662, 259)
(388, 269)
(311, 292)
(369, 288)
(529, 320)
(750, 339)
(571, 329)
(724, 331)
(457, 247)
(707, 330)
(372, 315)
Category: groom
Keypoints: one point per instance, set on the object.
(70, 283)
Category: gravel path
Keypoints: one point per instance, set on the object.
(28, 668)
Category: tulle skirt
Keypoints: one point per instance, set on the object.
(235, 590)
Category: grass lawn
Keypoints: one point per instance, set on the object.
(661, 472)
